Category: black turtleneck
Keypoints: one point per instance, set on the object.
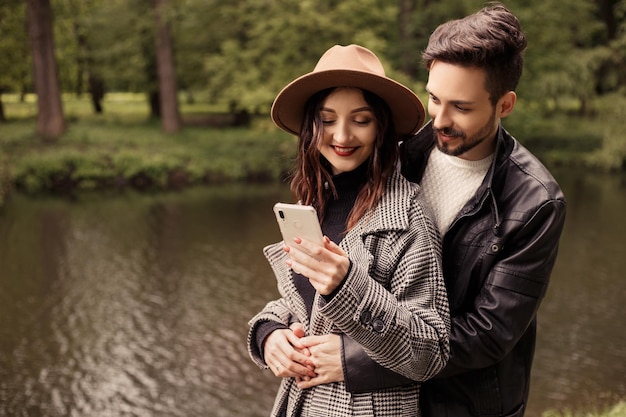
(335, 220)
(334, 224)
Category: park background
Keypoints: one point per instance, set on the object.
(163, 95)
(167, 93)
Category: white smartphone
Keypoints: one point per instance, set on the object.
(296, 220)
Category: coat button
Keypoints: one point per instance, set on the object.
(495, 248)
(378, 325)
(366, 317)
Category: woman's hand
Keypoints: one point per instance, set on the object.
(286, 356)
(325, 354)
(325, 266)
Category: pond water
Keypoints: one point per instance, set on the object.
(137, 305)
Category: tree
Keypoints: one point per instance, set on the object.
(272, 42)
(406, 37)
(569, 56)
(80, 12)
(14, 50)
(50, 121)
(237, 54)
(168, 91)
(607, 12)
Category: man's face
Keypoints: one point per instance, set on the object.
(464, 119)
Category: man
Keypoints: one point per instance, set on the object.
(499, 211)
(500, 214)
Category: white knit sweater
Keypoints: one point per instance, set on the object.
(449, 182)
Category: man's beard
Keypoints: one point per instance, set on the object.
(467, 144)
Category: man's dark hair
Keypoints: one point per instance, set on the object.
(491, 39)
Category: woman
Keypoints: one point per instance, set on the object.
(380, 285)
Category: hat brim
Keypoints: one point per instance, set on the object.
(288, 108)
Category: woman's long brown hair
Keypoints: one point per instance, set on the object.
(313, 171)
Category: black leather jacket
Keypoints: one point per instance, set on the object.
(498, 255)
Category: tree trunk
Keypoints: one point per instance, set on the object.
(2, 116)
(81, 57)
(170, 116)
(408, 63)
(96, 89)
(151, 73)
(607, 9)
(50, 121)
(154, 102)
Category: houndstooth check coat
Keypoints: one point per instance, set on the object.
(393, 302)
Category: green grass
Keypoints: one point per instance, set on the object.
(124, 148)
(118, 107)
(618, 410)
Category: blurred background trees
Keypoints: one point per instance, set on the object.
(238, 54)
(45, 73)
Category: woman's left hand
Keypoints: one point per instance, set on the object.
(325, 266)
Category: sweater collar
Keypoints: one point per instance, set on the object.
(415, 152)
(351, 180)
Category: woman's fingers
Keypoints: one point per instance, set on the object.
(326, 355)
(283, 358)
(325, 266)
(333, 247)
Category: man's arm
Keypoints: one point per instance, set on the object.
(362, 374)
(511, 295)
(479, 338)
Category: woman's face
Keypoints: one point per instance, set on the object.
(349, 133)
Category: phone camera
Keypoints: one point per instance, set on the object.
(281, 214)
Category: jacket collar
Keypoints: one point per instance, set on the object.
(485, 190)
(392, 212)
(415, 153)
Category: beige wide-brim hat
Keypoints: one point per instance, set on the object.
(348, 66)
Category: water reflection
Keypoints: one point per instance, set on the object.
(134, 306)
(137, 305)
(581, 354)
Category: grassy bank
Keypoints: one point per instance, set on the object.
(123, 148)
(97, 154)
(618, 410)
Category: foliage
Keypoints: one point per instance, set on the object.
(15, 58)
(115, 152)
(612, 155)
(279, 40)
(118, 33)
(597, 142)
(124, 148)
(240, 53)
(236, 55)
(570, 53)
